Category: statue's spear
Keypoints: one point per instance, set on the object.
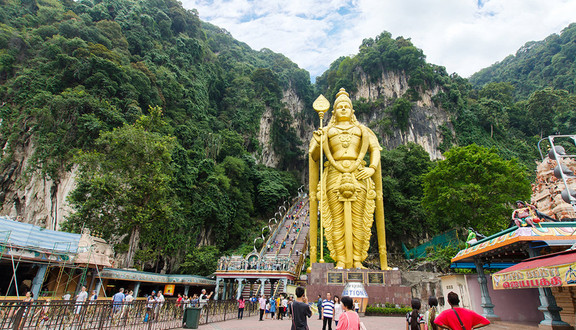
(321, 105)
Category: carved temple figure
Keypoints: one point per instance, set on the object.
(350, 187)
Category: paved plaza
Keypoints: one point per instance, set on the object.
(371, 322)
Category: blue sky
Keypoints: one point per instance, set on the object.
(462, 35)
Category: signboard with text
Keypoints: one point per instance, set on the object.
(550, 276)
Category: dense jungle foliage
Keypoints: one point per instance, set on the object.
(538, 65)
(161, 111)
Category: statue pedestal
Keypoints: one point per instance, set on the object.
(381, 285)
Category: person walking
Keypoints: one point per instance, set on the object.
(300, 310)
(327, 311)
(458, 317)
(241, 304)
(349, 320)
(319, 306)
(262, 302)
(337, 309)
(415, 320)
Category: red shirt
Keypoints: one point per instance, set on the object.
(469, 318)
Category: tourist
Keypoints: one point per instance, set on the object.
(459, 318)
(81, 299)
(284, 306)
(327, 311)
(241, 304)
(349, 320)
(195, 301)
(319, 306)
(204, 297)
(185, 302)
(93, 296)
(272, 308)
(262, 302)
(300, 310)
(289, 307)
(415, 320)
(23, 310)
(337, 309)
(160, 302)
(128, 300)
(431, 313)
(117, 300)
(179, 300)
(356, 306)
(150, 305)
(279, 307)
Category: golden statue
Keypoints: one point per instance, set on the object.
(349, 193)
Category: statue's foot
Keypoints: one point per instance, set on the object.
(358, 264)
(340, 265)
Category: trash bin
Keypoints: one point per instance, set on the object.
(191, 317)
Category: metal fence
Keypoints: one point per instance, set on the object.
(139, 314)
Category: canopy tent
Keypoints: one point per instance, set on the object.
(555, 269)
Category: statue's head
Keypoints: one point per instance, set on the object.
(343, 110)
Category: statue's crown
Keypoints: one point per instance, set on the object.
(342, 96)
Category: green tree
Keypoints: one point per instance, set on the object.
(545, 106)
(201, 261)
(473, 187)
(494, 113)
(402, 170)
(124, 184)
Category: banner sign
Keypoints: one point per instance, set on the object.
(562, 275)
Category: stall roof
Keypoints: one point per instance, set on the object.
(28, 236)
(139, 276)
(511, 245)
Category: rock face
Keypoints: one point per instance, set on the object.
(423, 125)
(425, 117)
(32, 198)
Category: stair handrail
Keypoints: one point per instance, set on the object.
(288, 231)
(280, 224)
(299, 231)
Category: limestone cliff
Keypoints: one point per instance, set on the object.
(30, 197)
(425, 117)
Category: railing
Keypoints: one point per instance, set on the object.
(17, 314)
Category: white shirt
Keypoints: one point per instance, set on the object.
(82, 296)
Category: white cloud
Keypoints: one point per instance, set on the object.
(458, 34)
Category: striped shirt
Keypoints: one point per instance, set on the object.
(328, 308)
